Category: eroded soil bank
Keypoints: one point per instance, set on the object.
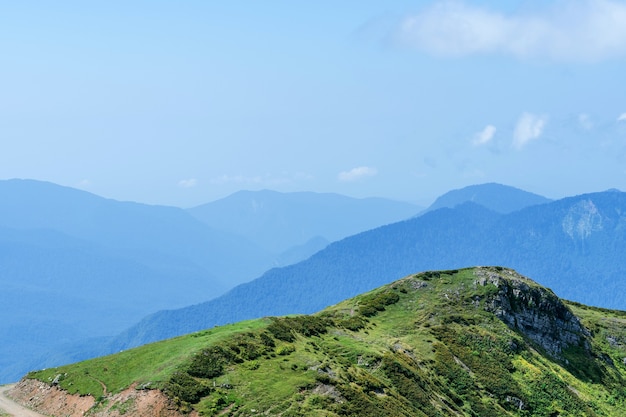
(55, 402)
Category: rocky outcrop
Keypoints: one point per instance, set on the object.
(532, 310)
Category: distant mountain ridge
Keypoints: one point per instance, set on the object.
(574, 245)
(497, 197)
(279, 221)
(154, 233)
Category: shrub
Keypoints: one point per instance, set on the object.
(186, 388)
(353, 323)
(210, 362)
(280, 329)
(370, 306)
(285, 328)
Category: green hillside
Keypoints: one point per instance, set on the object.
(474, 342)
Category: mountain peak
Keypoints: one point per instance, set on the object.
(497, 197)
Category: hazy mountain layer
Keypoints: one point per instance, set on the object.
(75, 267)
(279, 221)
(156, 236)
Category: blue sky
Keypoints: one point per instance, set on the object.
(184, 102)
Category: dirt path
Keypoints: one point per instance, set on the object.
(9, 406)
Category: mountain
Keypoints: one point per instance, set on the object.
(155, 235)
(481, 341)
(76, 267)
(280, 221)
(574, 245)
(70, 259)
(497, 197)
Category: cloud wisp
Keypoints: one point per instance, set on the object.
(356, 174)
(529, 127)
(621, 117)
(188, 183)
(571, 31)
(484, 136)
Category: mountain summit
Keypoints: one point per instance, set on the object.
(497, 197)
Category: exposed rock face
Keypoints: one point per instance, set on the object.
(131, 402)
(582, 219)
(534, 311)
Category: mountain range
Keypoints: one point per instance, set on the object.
(573, 245)
(482, 341)
(82, 268)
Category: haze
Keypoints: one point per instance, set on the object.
(184, 102)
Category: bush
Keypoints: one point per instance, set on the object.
(281, 330)
(184, 387)
(370, 306)
(353, 323)
(285, 328)
(210, 362)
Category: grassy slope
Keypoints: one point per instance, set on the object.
(425, 346)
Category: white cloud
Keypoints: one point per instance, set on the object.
(84, 183)
(484, 136)
(356, 174)
(529, 127)
(581, 30)
(188, 183)
(621, 117)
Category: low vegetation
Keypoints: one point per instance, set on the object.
(427, 345)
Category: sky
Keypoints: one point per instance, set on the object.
(185, 102)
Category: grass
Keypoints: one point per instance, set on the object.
(150, 365)
(422, 346)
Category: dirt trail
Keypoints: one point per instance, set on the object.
(13, 408)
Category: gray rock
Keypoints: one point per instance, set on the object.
(533, 310)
